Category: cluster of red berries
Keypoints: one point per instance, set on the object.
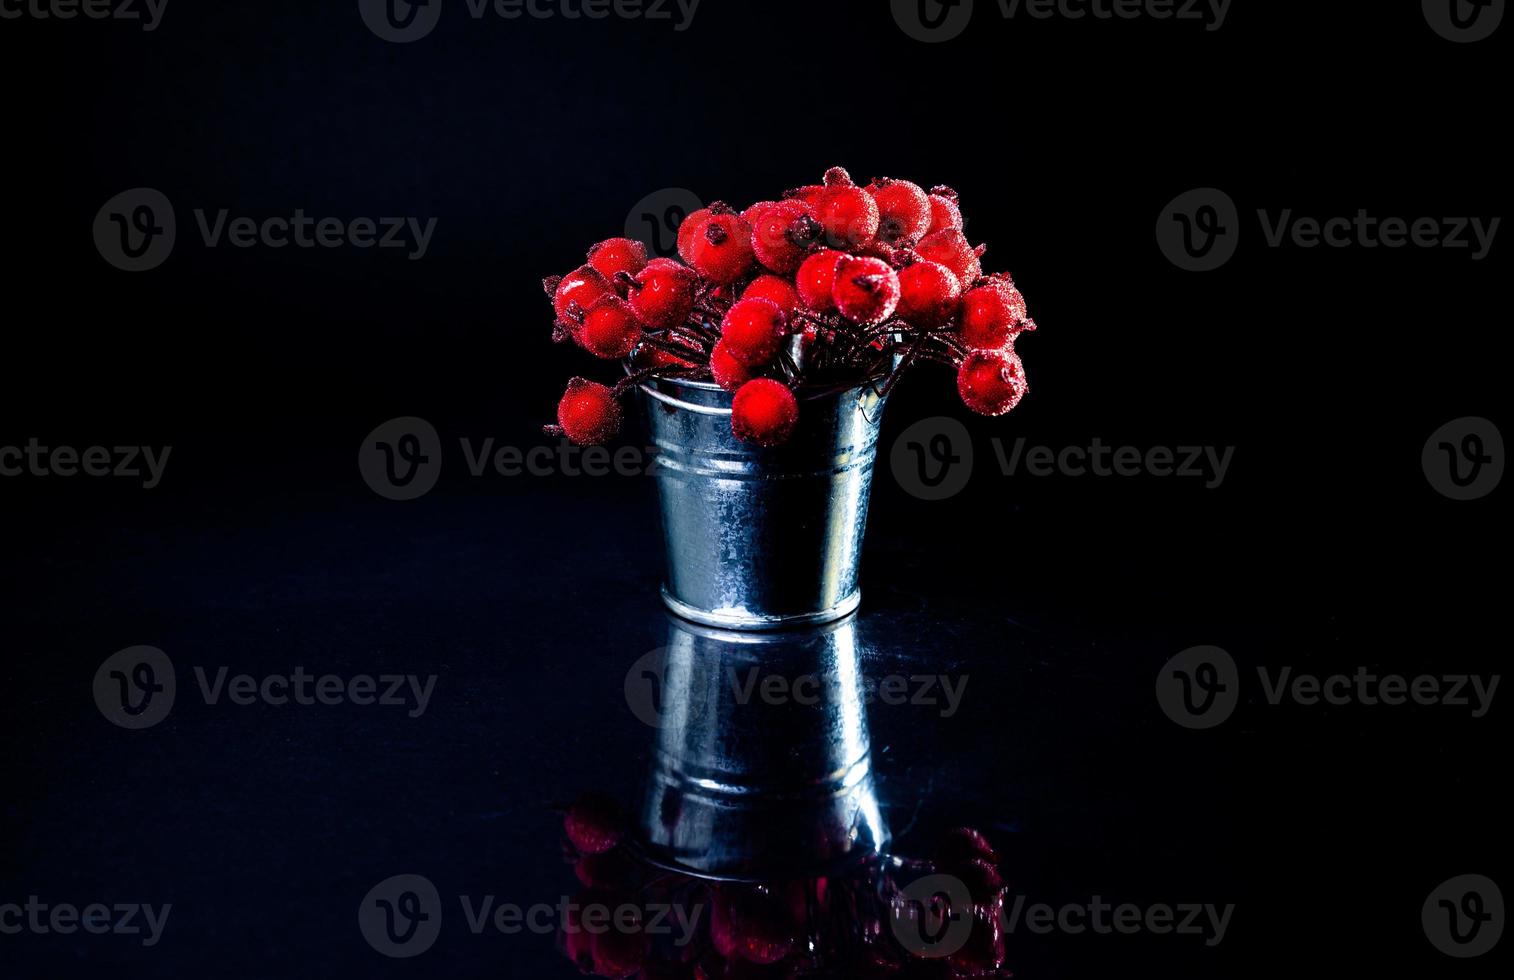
(833, 284)
(845, 925)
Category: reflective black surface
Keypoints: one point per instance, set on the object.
(267, 826)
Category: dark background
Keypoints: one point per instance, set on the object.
(1061, 597)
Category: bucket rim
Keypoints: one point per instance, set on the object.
(805, 392)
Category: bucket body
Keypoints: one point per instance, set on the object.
(762, 766)
(762, 538)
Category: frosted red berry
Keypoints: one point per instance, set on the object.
(929, 294)
(775, 288)
(991, 382)
(718, 246)
(691, 224)
(728, 372)
(810, 193)
(580, 289)
(951, 248)
(577, 941)
(904, 210)
(982, 878)
(965, 844)
(594, 823)
(752, 330)
(751, 214)
(764, 412)
(983, 952)
(610, 328)
(612, 869)
(750, 924)
(992, 314)
(588, 414)
(848, 213)
(944, 211)
(663, 294)
(866, 290)
(783, 233)
(615, 255)
(816, 280)
(618, 955)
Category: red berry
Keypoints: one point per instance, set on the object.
(816, 280)
(983, 952)
(903, 209)
(578, 941)
(727, 371)
(610, 328)
(691, 224)
(752, 330)
(609, 870)
(664, 293)
(964, 844)
(775, 288)
(992, 314)
(588, 412)
(719, 245)
(982, 878)
(580, 288)
(749, 924)
(848, 213)
(929, 294)
(880, 249)
(991, 382)
(753, 213)
(618, 255)
(944, 211)
(783, 233)
(810, 193)
(764, 412)
(593, 823)
(866, 290)
(617, 954)
(950, 248)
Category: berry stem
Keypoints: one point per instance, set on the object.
(676, 349)
(646, 374)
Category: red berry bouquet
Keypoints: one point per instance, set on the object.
(833, 286)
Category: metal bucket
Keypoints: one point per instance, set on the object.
(762, 766)
(762, 538)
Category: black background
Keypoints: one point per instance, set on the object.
(1324, 549)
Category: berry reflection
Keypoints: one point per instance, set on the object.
(872, 920)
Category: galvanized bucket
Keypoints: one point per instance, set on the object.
(762, 766)
(762, 538)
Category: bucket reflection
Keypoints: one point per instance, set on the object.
(762, 765)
